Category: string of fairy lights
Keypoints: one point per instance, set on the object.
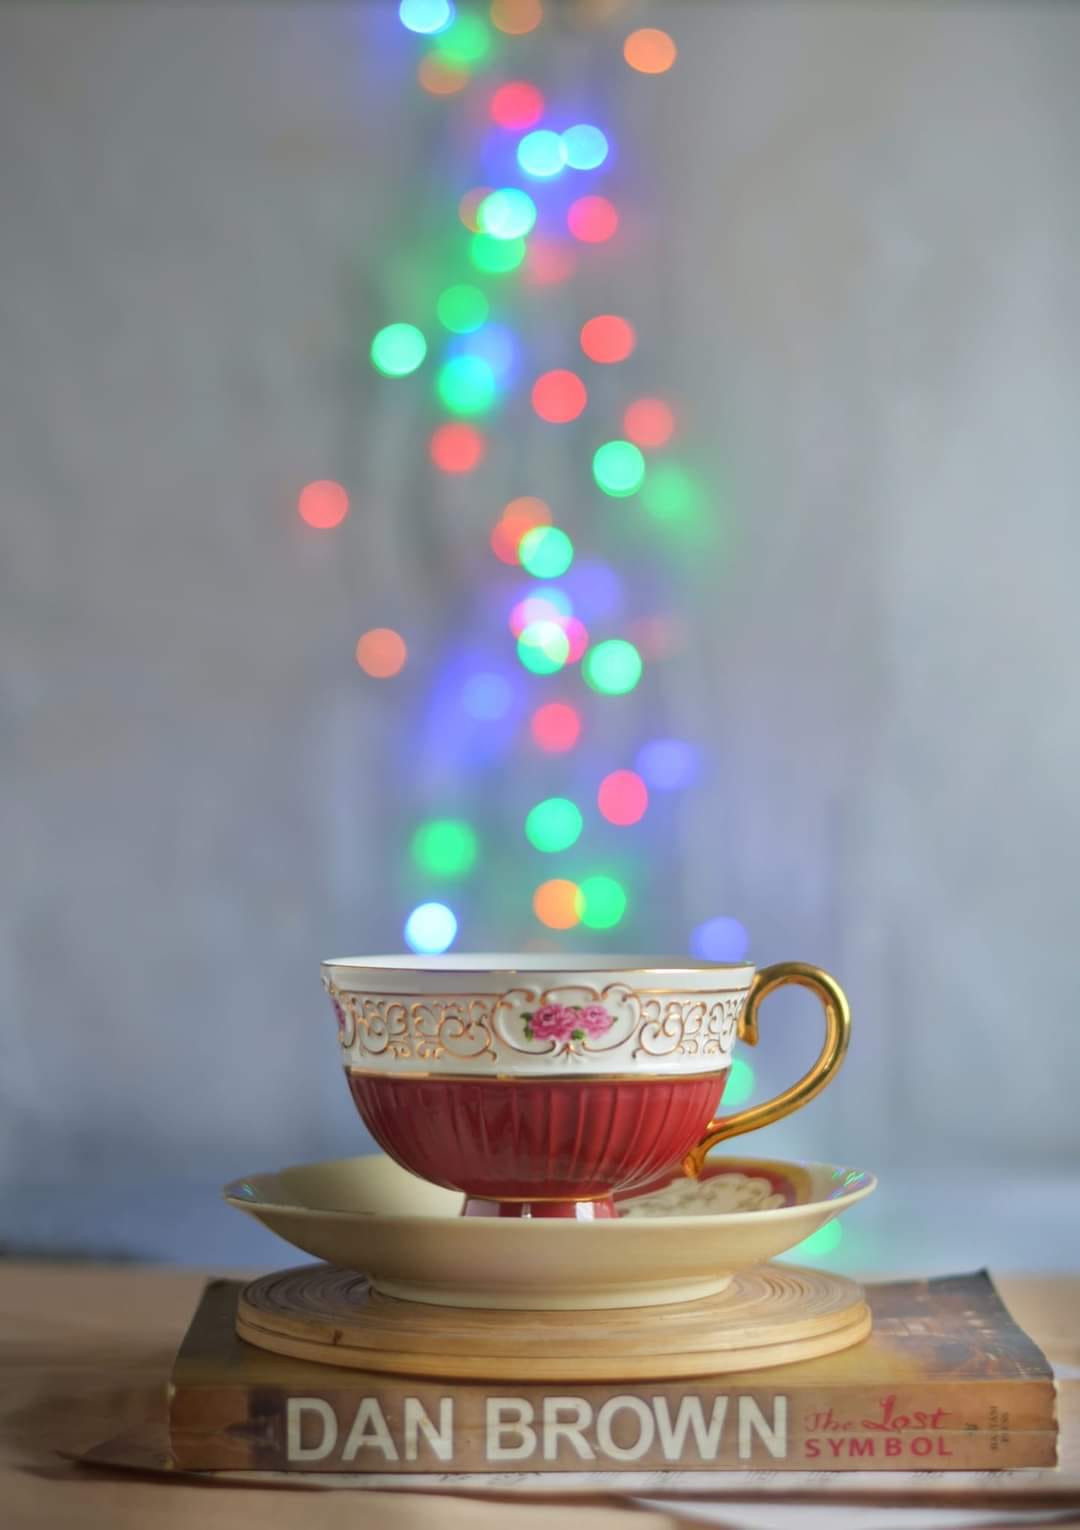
(560, 622)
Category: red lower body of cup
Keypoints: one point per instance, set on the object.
(539, 1148)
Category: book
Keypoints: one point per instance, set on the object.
(947, 1381)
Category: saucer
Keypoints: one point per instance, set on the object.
(681, 1241)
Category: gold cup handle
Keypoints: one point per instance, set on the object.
(837, 1033)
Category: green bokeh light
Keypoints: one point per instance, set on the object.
(466, 385)
(603, 902)
(554, 824)
(445, 847)
(506, 214)
(543, 647)
(612, 667)
(671, 493)
(819, 1244)
(545, 552)
(466, 41)
(495, 255)
(398, 349)
(740, 1084)
(462, 309)
(619, 468)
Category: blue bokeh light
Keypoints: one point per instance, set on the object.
(430, 929)
(722, 939)
(596, 590)
(487, 697)
(542, 154)
(495, 344)
(585, 147)
(426, 16)
(667, 764)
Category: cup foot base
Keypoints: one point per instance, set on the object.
(577, 1211)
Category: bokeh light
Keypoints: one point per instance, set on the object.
(554, 824)
(593, 220)
(740, 1084)
(426, 16)
(487, 697)
(519, 516)
(545, 552)
(585, 146)
(542, 154)
(619, 468)
(445, 847)
(596, 590)
(558, 904)
(671, 493)
(508, 213)
(398, 349)
(549, 261)
(559, 397)
(607, 338)
(466, 385)
(439, 78)
(461, 308)
(622, 798)
(543, 647)
(323, 504)
(516, 17)
(650, 51)
(551, 606)
(722, 939)
(555, 727)
(494, 344)
(457, 448)
(516, 106)
(469, 204)
(495, 255)
(667, 764)
(613, 667)
(603, 902)
(381, 653)
(649, 422)
(430, 929)
(465, 42)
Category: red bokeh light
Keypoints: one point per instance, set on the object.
(592, 219)
(623, 797)
(556, 727)
(607, 338)
(323, 504)
(648, 422)
(576, 635)
(534, 608)
(381, 653)
(521, 515)
(559, 397)
(548, 262)
(517, 106)
(457, 448)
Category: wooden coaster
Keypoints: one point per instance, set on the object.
(771, 1315)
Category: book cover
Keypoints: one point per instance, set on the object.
(947, 1381)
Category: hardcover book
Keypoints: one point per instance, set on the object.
(947, 1381)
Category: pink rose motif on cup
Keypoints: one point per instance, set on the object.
(566, 1022)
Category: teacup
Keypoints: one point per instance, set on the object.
(542, 1085)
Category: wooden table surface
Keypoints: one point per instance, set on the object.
(85, 1352)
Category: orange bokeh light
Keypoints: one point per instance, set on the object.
(558, 904)
(516, 17)
(650, 51)
(469, 203)
(520, 515)
(439, 78)
(323, 504)
(381, 653)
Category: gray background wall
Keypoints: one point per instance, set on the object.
(858, 233)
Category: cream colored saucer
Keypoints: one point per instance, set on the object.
(682, 1242)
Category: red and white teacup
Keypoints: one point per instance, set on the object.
(544, 1085)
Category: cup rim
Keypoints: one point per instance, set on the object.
(529, 964)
